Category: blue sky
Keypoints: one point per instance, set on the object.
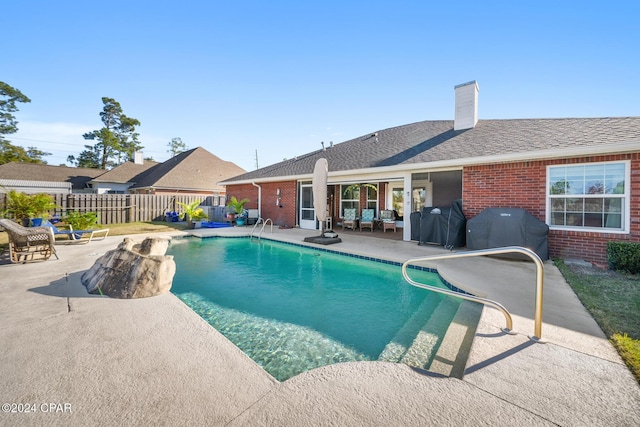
(279, 77)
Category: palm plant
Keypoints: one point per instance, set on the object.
(191, 211)
(19, 207)
(237, 205)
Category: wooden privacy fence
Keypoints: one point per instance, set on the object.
(124, 208)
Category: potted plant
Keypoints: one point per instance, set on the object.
(42, 205)
(192, 213)
(19, 207)
(238, 207)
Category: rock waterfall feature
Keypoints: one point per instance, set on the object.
(132, 270)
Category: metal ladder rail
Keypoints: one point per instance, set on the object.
(264, 224)
(254, 227)
(268, 220)
(537, 334)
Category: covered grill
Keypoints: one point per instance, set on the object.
(443, 226)
(498, 227)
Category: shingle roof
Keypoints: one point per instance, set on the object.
(78, 177)
(196, 169)
(435, 140)
(126, 172)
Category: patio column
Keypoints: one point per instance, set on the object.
(406, 231)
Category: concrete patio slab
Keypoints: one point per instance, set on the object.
(83, 360)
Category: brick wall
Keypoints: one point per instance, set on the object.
(523, 185)
(282, 215)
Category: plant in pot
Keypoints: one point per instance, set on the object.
(192, 213)
(42, 205)
(19, 207)
(238, 207)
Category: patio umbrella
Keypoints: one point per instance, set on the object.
(320, 172)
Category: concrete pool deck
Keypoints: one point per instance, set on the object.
(78, 359)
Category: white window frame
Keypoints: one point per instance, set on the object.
(351, 202)
(373, 203)
(626, 199)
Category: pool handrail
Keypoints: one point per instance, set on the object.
(537, 334)
(264, 223)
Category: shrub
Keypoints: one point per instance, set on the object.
(82, 221)
(624, 256)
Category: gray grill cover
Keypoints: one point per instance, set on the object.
(498, 227)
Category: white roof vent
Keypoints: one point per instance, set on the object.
(466, 106)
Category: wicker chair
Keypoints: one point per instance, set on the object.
(28, 244)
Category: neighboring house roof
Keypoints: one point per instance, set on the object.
(126, 172)
(195, 169)
(434, 143)
(29, 186)
(78, 177)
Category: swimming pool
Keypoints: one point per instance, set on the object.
(292, 308)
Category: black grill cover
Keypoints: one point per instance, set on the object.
(443, 226)
(498, 227)
(415, 225)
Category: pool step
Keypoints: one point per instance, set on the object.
(451, 358)
(427, 341)
(396, 349)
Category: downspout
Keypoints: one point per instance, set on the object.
(259, 198)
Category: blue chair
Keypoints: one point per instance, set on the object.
(367, 219)
(349, 219)
(77, 236)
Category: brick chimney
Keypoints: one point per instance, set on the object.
(466, 105)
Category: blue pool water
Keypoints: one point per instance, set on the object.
(292, 308)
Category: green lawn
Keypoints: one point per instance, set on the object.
(613, 299)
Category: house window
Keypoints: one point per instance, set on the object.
(350, 198)
(590, 196)
(397, 201)
(372, 197)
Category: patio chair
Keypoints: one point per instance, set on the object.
(77, 236)
(367, 219)
(388, 221)
(28, 244)
(349, 220)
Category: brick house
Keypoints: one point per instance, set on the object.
(579, 175)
